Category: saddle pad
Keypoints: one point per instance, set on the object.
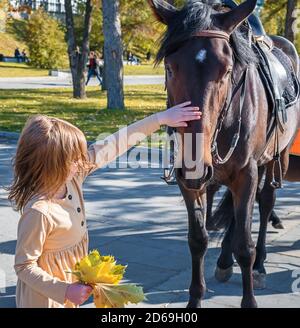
(295, 150)
(291, 93)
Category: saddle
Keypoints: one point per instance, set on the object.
(278, 77)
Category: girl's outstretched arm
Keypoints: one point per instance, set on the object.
(105, 151)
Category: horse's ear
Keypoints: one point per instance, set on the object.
(163, 10)
(232, 19)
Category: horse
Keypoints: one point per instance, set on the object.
(210, 61)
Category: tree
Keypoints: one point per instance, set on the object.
(274, 16)
(140, 31)
(78, 57)
(96, 38)
(113, 54)
(291, 20)
(45, 41)
(139, 28)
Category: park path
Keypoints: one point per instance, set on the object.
(66, 81)
(140, 220)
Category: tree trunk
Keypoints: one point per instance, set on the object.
(113, 54)
(291, 20)
(77, 58)
(104, 87)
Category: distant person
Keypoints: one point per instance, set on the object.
(1, 57)
(94, 68)
(24, 56)
(135, 60)
(18, 55)
(129, 58)
(148, 55)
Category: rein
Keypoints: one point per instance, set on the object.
(214, 148)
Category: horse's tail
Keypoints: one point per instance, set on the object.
(223, 215)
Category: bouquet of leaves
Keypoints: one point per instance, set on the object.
(104, 275)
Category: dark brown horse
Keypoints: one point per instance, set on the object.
(209, 61)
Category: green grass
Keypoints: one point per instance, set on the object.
(89, 114)
(145, 69)
(23, 70)
(20, 70)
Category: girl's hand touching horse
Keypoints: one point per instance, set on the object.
(179, 115)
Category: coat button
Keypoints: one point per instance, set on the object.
(82, 223)
(78, 209)
(70, 196)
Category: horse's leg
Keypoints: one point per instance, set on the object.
(198, 242)
(224, 268)
(244, 189)
(210, 192)
(266, 205)
(274, 219)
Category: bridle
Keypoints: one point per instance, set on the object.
(218, 160)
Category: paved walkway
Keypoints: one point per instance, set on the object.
(66, 81)
(133, 215)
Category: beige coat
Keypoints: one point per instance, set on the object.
(52, 235)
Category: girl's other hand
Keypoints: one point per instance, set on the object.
(179, 115)
(78, 293)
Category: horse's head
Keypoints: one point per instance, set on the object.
(199, 47)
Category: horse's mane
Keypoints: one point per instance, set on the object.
(195, 16)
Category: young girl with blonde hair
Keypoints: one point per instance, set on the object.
(51, 163)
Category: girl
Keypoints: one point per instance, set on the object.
(51, 163)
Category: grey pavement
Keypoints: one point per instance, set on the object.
(140, 220)
(66, 81)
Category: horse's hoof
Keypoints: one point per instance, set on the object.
(223, 275)
(249, 303)
(278, 225)
(259, 280)
(194, 303)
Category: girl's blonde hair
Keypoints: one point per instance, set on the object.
(46, 150)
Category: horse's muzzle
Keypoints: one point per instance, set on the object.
(196, 184)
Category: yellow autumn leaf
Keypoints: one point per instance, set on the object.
(95, 268)
(117, 296)
(104, 275)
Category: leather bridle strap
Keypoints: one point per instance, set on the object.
(214, 149)
(212, 34)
